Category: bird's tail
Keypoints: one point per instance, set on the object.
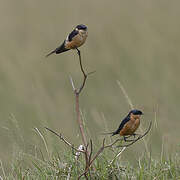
(59, 50)
(52, 52)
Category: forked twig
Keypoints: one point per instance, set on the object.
(77, 93)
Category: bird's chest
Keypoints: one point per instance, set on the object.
(80, 38)
(134, 124)
(130, 127)
(77, 41)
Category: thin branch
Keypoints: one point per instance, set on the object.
(77, 93)
(82, 70)
(79, 54)
(111, 145)
(89, 73)
(119, 153)
(87, 155)
(91, 150)
(99, 152)
(79, 120)
(64, 140)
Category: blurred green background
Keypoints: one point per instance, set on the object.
(136, 42)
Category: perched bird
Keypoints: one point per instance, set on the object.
(129, 124)
(74, 40)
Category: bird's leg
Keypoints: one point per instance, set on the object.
(78, 51)
(126, 139)
(128, 136)
(134, 135)
(80, 62)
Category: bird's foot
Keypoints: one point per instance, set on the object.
(136, 135)
(128, 140)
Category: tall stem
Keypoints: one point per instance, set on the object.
(79, 120)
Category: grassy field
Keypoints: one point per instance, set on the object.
(134, 42)
(65, 167)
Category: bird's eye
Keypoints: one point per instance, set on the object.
(76, 29)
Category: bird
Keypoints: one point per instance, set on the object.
(129, 124)
(74, 40)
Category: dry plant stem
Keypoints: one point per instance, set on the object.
(82, 70)
(91, 150)
(119, 153)
(80, 120)
(44, 141)
(64, 140)
(77, 93)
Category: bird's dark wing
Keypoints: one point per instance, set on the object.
(59, 49)
(124, 121)
(72, 34)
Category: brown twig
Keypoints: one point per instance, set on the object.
(82, 70)
(91, 150)
(64, 140)
(77, 93)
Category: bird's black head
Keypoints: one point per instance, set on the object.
(136, 112)
(81, 27)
